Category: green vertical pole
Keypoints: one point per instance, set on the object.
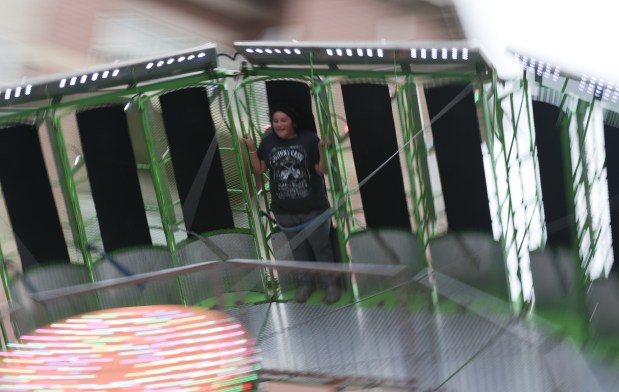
(584, 111)
(571, 184)
(239, 163)
(336, 170)
(4, 275)
(580, 179)
(533, 152)
(69, 190)
(248, 107)
(161, 192)
(245, 189)
(409, 110)
(493, 124)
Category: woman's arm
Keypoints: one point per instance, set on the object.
(321, 166)
(258, 165)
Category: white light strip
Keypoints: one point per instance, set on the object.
(124, 74)
(545, 70)
(264, 52)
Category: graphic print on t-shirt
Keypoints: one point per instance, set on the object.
(289, 173)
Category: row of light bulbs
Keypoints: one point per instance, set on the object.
(17, 91)
(273, 50)
(109, 74)
(172, 60)
(587, 84)
(598, 88)
(415, 53)
(540, 68)
(446, 53)
(84, 78)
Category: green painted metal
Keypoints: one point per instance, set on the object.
(247, 209)
(162, 193)
(525, 109)
(571, 184)
(495, 138)
(247, 109)
(245, 186)
(584, 111)
(416, 152)
(69, 190)
(356, 73)
(4, 275)
(338, 184)
(581, 181)
(247, 104)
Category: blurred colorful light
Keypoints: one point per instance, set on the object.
(165, 347)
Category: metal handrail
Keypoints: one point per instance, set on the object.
(392, 271)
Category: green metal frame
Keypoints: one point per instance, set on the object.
(338, 184)
(322, 80)
(48, 112)
(495, 132)
(416, 150)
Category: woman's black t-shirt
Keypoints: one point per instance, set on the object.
(295, 185)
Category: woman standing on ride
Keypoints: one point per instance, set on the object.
(296, 165)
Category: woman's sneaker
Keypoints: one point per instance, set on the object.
(304, 292)
(333, 294)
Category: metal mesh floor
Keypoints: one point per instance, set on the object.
(459, 351)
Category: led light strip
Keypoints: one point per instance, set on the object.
(198, 59)
(587, 84)
(338, 53)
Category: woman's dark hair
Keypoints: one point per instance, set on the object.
(290, 112)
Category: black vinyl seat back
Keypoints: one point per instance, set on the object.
(134, 261)
(473, 258)
(387, 247)
(220, 278)
(31, 314)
